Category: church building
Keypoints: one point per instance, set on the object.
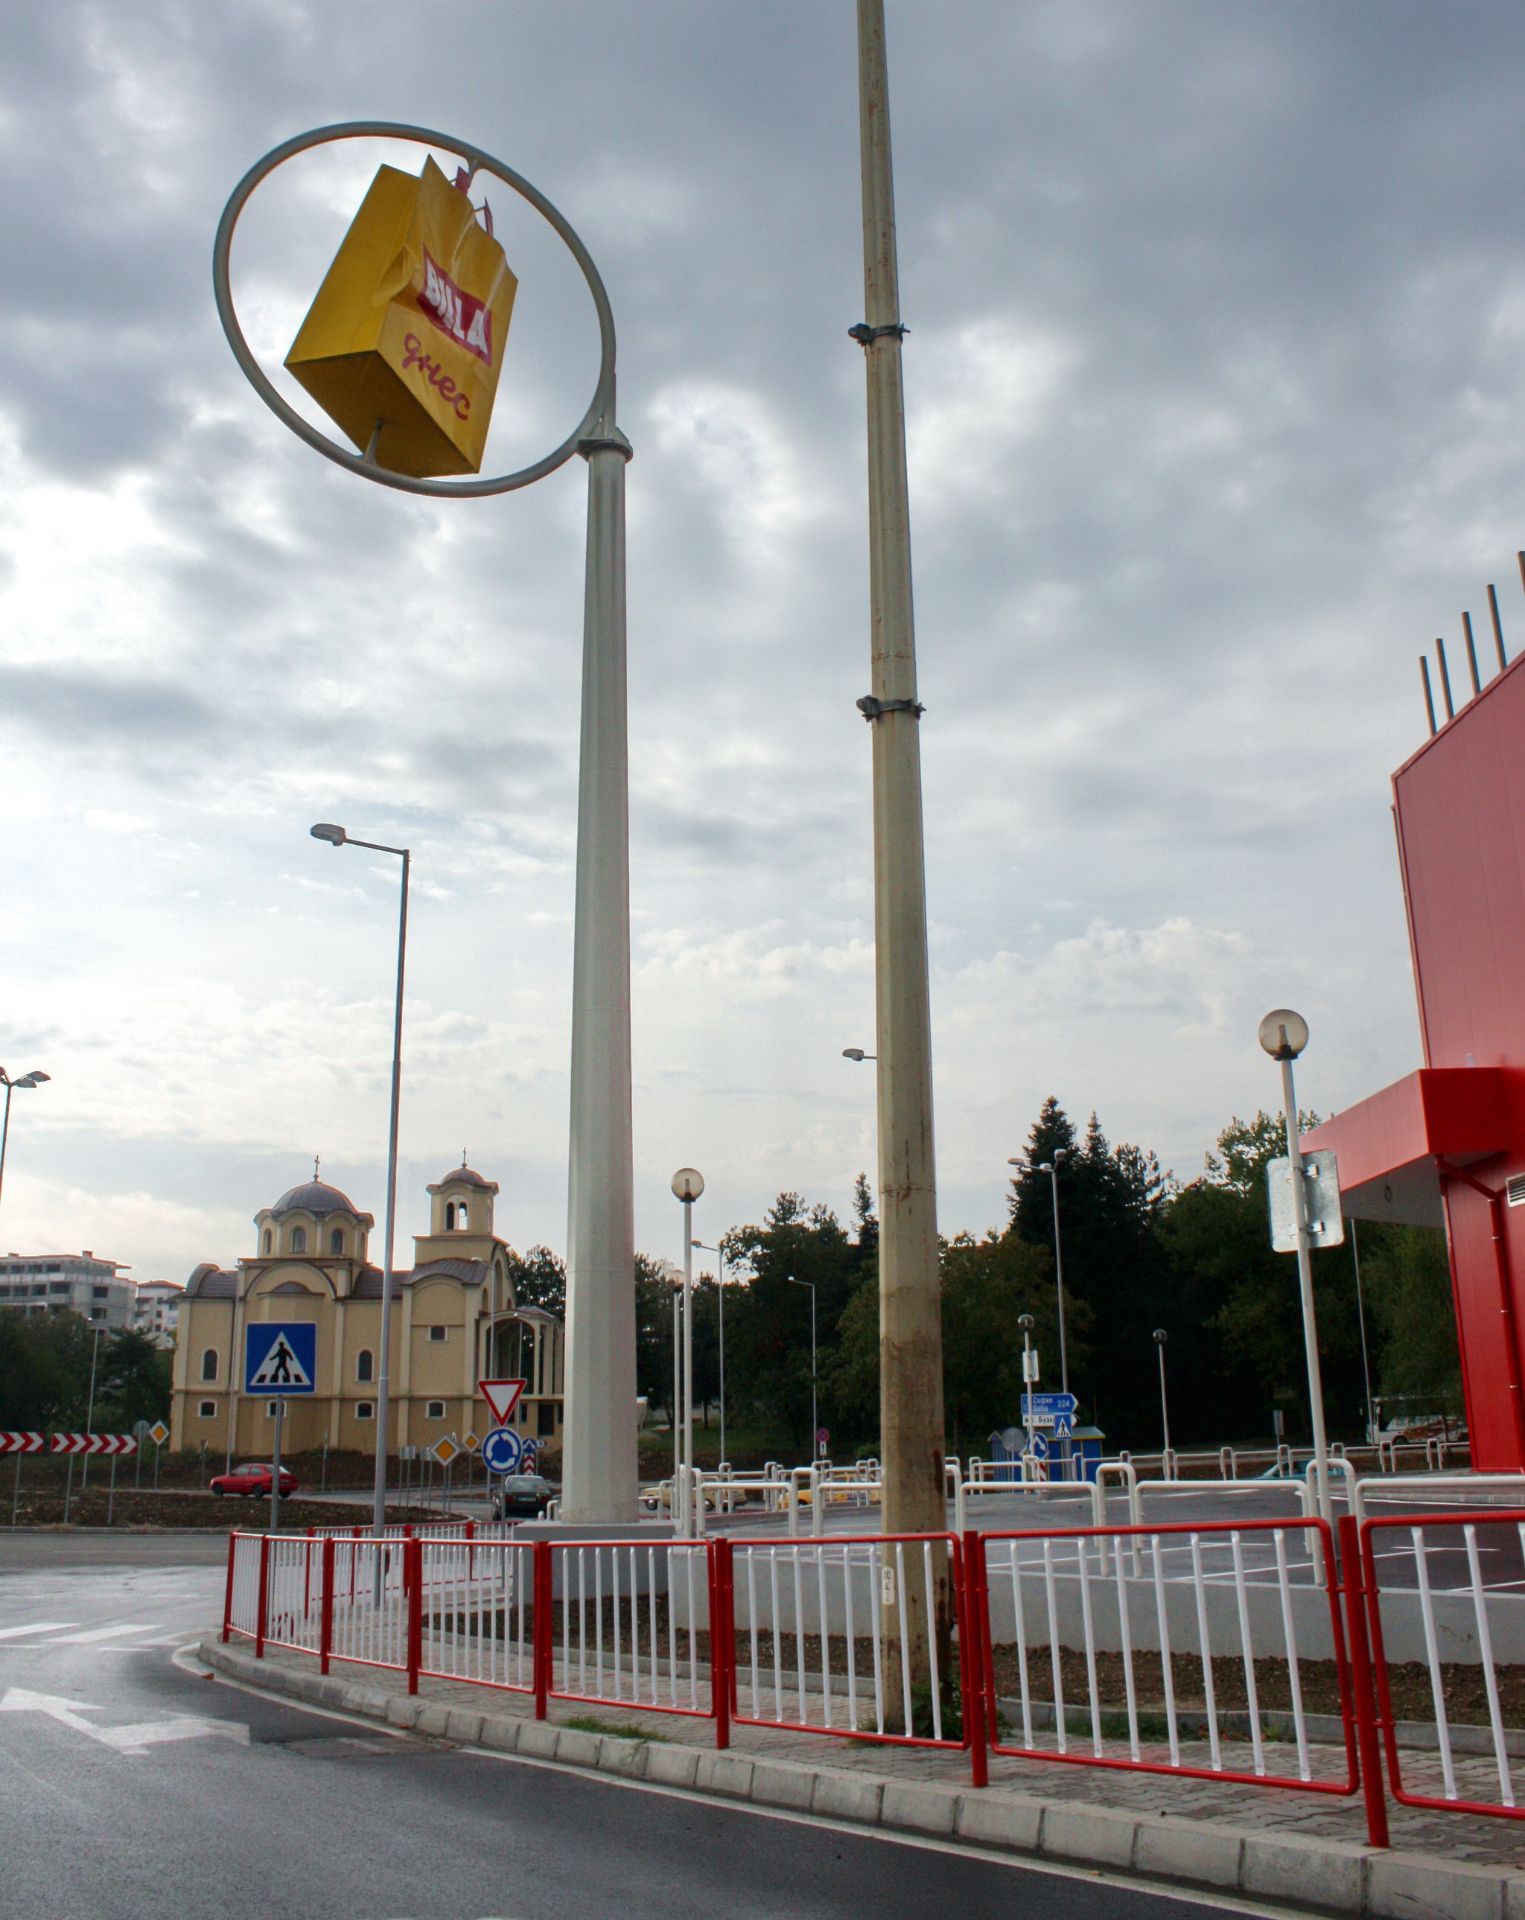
(455, 1321)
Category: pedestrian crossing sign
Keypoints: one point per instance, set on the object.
(281, 1357)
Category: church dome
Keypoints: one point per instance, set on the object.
(315, 1197)
(464, 1176)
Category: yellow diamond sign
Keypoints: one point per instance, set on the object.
(158, 1433)
(445, 1451)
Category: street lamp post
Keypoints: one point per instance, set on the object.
(95, 1348)
(857, 1053)
(1029, 1379)
(1283, 1034)
(687, 1185)
(719, 1251)
(677, 1381)
(33, 1079)
(1160, 1337)
(815, 1427)
(337, 837)
(1051, 1168)
(1371, 1412)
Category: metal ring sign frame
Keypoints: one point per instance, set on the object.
(600, 407)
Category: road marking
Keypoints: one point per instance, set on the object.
(36, 1626)
(131, 1741)
(97, 1634)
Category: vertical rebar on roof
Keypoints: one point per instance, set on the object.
(1466, 623)
(1498, 630)
(1445, 678)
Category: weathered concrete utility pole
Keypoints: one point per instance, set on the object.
(910, 1308)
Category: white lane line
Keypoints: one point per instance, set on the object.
(98, 1634)
(36, 1626)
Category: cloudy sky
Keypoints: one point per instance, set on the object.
(1214, 388)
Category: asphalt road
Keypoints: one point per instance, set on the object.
(132, 1788)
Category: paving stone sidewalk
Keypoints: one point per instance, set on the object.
(1306, 1850)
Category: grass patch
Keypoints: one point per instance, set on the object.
(590, 1723)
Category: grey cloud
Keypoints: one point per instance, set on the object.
(85, 709)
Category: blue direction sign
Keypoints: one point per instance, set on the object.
(1043, 1409)
(502, 1451)
(281, 1357)
(1040, 1446)
(529, 1451)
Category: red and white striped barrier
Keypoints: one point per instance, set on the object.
(21, 1442)
(113, 1443)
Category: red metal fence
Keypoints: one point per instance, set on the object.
(1272, 1653)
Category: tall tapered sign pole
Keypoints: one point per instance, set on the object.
(599, 1474)
(910, 1316)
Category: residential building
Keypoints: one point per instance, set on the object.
(156, 1310)
(38, 1282)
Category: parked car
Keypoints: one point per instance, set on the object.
(521, 1494)
(253, 1480)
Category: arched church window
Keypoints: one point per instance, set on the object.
(365, 1365)
(336, 1240)
(209, 1363)
(265, 1248)
(299, 1239)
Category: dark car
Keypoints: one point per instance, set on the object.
(521, 1494)
(253, 1480)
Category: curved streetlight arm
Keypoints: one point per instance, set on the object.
(33, 1079)
(599, 416)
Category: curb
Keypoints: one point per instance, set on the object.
(1321, 1876)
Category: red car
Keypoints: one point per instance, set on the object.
(254, 1480)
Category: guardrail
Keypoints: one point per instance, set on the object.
(817, 1643)
(1168, 1670)
(1269, 1652)
(1470, 1688)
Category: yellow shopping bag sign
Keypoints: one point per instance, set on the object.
(405, 338)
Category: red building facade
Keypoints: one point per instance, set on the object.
(1446, 1145)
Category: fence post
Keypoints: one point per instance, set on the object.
(413, 1585)
(262, 1613)
(969, 1562)
(227, 1598)
(326, 1619)
(1368, 1747)
(541, 1551)
(722, 1637)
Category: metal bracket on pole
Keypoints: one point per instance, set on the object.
(865, 335)
(872, 709)
(605, 440)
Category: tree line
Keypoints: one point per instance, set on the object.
(1139, 1252)
(45, 1364)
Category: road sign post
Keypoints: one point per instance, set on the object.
(280, 1360)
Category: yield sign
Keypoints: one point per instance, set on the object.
(502, 1396)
